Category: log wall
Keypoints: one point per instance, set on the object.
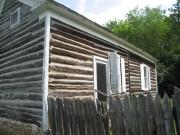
(71, 61)
(21, 62)
(135, 76)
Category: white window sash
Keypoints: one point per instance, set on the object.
(145, 78)
(123, 74)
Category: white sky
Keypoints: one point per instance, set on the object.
(101, 11)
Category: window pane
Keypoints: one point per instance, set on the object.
(145, 72)
(146, 82)
(101, 81)
(14, 18)
(120, 75)
(146, 77)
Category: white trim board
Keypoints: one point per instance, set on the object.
(45, 78)
(104, 61)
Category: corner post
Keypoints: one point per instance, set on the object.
(45, 76)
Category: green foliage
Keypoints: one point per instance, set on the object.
(153, 31)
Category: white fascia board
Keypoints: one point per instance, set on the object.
(1, 5)
(91, 28)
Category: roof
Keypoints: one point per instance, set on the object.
(101, 32)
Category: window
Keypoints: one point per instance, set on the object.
(145, 77)
(15, 18)
(117, 73)
(101, 78)
(109, 76)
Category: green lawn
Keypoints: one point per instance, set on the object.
(3, 132)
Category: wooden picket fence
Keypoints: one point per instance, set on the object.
(131, 115)
(74, 117)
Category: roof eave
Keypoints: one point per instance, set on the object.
(62, 10)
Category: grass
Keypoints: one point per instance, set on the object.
(2, 132)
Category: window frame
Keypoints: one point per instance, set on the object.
(142, 71)
(18, 17)
(104, 61)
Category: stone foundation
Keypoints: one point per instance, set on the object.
(12, 127)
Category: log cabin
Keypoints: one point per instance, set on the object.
(47, 49)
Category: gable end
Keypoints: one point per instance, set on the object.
(32, 3)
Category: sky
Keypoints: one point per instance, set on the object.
(101, 11)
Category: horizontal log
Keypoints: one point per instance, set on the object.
(70, 86)
(21, 45)
(22, 103)
(134, 70)
(20, 85)
(21, 116)
(58, 75)
(72, 54)
(135, 74)
(23, 58)
(36, 48)
(54, 29)
(70, 69)
(135, 82)
(69, 60)
(135, 77)
(16, 43)
(70, 47)
(32, 89)
(38, 32)
(23, 65)
(24, 79)
(70, 93)
(21, 73)
(134, 62)
(74, 42)
(35, 111)
(21, 96)
(69, 81)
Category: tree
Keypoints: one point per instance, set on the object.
(175, 18)
(139, 26)
(153, 31)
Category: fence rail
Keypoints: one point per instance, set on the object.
(135, 115)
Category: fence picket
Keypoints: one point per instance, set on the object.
(150, 114)
(168, 115)
(159, 116)
(143, 115)
(127, 114)
(135, 115)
